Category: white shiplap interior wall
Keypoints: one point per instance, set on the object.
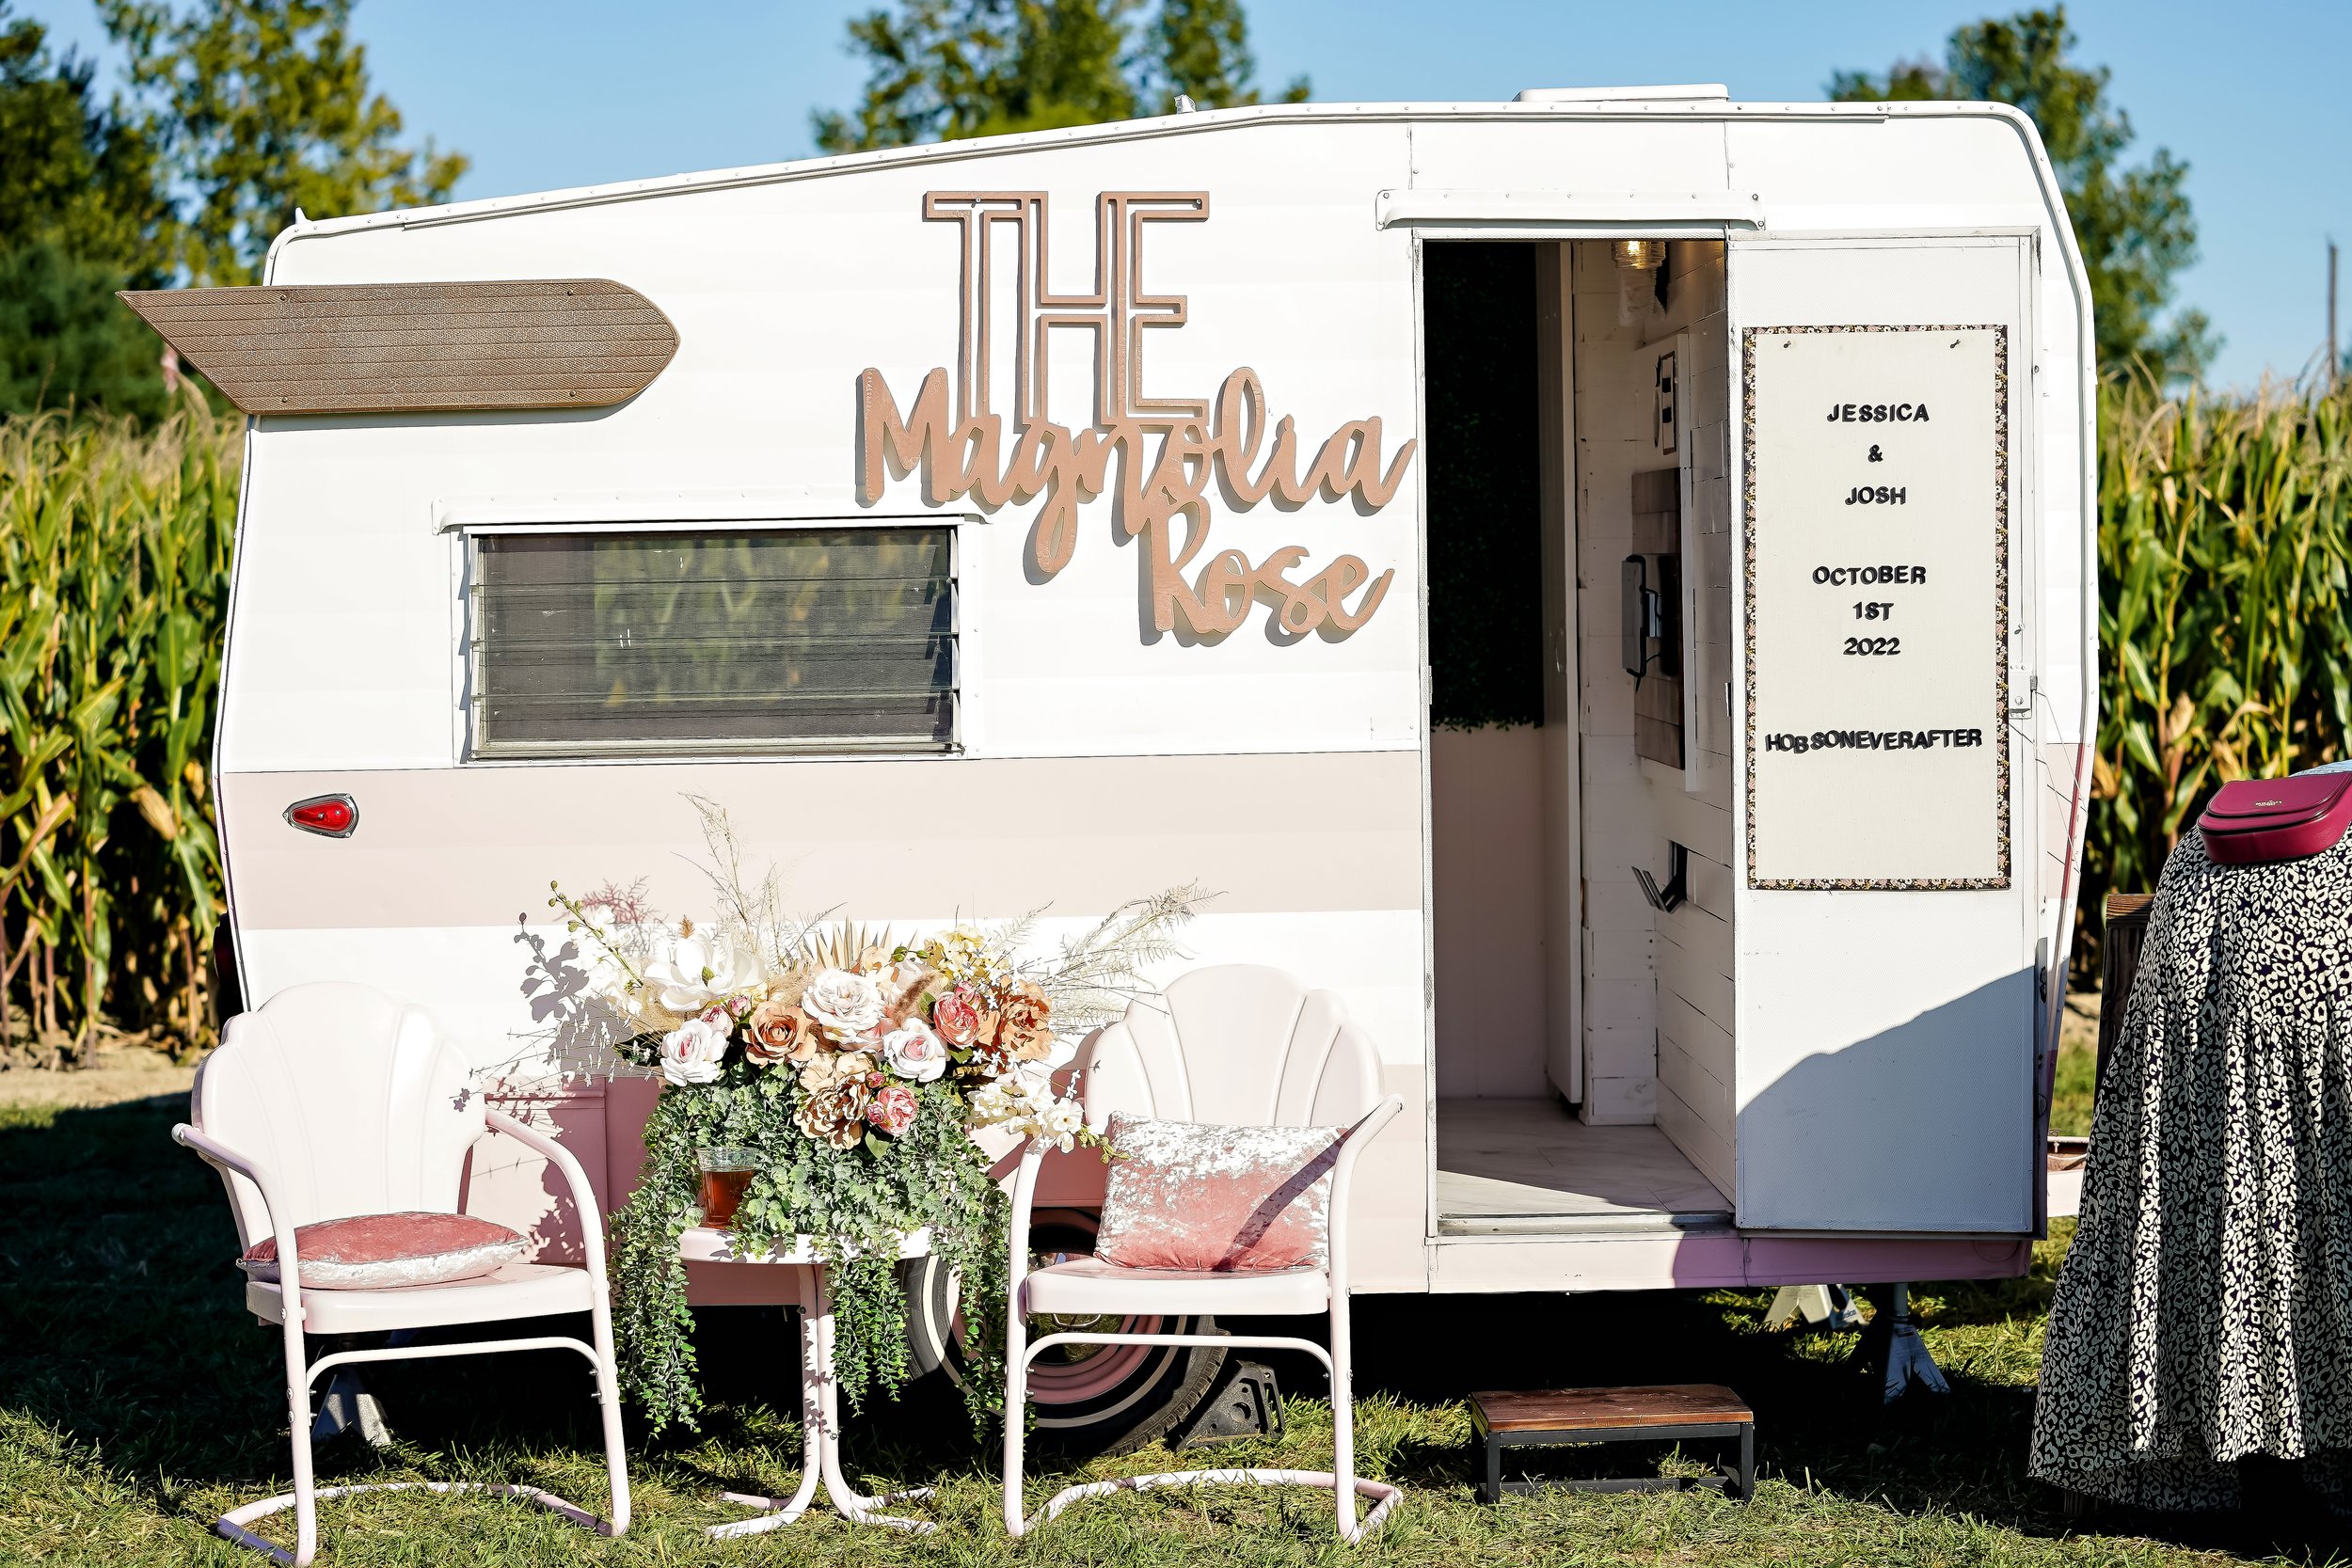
(1658, 1011)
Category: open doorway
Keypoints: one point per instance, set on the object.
(1575, 394)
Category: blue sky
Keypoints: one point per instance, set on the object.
(2251, 94)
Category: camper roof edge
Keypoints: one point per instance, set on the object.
(1668, 93)
(1143, 128)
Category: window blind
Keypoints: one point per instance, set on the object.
(680, 643)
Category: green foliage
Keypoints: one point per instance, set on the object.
(74, 174)
(2225, 541)
(945, 70)
(1200, 48)
(114, 577)
(2134, 224)
(1485, 511)
(264, 106)
(82, 215)
(67, 342)
(239, 111)
(2076, 1084)
(856, 1202)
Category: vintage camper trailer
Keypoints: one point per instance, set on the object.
(1604, 581)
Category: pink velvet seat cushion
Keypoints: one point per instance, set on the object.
(374, 1252)
(1211, 1199)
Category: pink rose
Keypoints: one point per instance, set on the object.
(957, 1020)
(892, 1109)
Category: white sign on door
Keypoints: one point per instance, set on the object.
(1876, 505)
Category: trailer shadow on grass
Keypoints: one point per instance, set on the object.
(128, 1366)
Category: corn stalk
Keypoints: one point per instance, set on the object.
(114, 575)
(2225, 528)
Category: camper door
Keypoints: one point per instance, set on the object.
(1885, 929)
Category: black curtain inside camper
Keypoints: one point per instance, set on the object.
(1485, 505)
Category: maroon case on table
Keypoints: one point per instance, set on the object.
(2276, 819)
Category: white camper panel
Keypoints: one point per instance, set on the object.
(1853, 1063)
(1886, 1027)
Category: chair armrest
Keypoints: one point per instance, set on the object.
(583, 1195)
(1344, 1169)
(221, 1157)
(1023, 1198)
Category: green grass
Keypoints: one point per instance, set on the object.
(2077, 1065)
(138, 1401)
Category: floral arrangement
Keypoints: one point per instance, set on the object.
(858, 1070)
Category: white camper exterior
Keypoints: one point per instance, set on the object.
(1828, 1061)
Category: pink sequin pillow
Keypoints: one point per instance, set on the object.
(374, 1252)
(1189, 1196)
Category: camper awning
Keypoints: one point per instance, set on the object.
(380, 348)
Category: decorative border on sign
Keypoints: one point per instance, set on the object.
(2000, 614)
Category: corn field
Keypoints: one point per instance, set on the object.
(114, 580)
(2225, 630)
(2225, 626)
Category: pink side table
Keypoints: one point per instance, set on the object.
(801, 1278)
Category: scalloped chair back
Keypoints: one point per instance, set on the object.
(349, 1098)
(1238, 1045)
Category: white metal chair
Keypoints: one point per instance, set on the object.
(335, 1100)
(1234, 1045)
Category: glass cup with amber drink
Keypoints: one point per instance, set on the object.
(726, 1175)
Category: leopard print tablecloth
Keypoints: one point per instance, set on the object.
(2204, 1310)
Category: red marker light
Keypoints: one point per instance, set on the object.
(329, 815)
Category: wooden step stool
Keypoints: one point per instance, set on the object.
(1670, 1414)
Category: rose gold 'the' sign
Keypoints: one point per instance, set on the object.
(1169, 450)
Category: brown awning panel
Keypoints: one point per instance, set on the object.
(378, 348)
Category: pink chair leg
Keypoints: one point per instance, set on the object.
(1342, 1418)
(608, 1397)
(1016, 1411)
(306, 1496)
(298, 1417)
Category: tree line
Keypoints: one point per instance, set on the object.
(229, 117)
(226, 117)
(233, 114)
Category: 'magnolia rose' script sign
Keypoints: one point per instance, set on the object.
(965, 448)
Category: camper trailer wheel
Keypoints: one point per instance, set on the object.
(1089, 1399)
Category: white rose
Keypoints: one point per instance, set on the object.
(915, 1052)
(690, 1053)
(699, 970)
(846, 1006)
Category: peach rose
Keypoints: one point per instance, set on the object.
(830, 1069)
(780, 1032)
(1021, 1031)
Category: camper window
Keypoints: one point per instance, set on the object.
(675, 643)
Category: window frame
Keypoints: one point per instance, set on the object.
(466, 537)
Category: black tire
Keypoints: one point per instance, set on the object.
(1113, 1408)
